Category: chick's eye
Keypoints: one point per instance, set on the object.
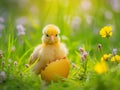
(47, 35)
(56, 35)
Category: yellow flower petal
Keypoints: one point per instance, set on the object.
(115, 58)
(106, 31)
(101, 67)
(105, 57)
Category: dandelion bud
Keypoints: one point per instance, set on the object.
(15, 63)
(27, 65)
(99, 46)
(114, 52)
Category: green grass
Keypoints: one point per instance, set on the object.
(84, 34)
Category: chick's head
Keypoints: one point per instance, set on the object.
(50, 34)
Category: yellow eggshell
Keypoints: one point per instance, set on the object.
(55, 70)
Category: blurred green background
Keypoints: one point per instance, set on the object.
(74, 18)
(79, 21)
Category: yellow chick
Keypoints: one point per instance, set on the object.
(50, 50)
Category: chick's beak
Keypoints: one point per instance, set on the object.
(52, 38)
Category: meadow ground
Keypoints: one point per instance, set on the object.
(89, 28)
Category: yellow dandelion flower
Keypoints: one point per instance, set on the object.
(115, 58)
(105, 57)
(101, 67)
(106, 32)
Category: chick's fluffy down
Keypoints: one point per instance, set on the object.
(46, 54)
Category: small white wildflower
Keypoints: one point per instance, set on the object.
(34, 10)
(2, 20)
(76, 23)
(114, 52)
(85, 5)
(21, 30)
(2, 76)
(115, 5)
(22, 20)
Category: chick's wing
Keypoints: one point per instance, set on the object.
(35, 55)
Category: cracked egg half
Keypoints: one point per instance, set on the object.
(56, 70)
